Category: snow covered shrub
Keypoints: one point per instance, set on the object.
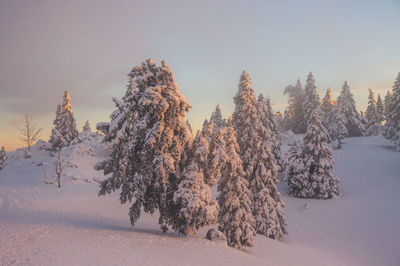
(310, 173)
(215, 235)
(3, 158)
(86, 127)
(374, 130)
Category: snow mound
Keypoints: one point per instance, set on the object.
(77, 159)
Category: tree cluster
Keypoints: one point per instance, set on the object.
(157, 164)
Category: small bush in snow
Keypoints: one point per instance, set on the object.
(3, 158)
(215, 235)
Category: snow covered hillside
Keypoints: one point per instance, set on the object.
(41, 224)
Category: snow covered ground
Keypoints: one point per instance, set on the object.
(43, 225)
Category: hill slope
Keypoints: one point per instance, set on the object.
(40, 223)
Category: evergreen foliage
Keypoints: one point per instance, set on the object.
(295, 115)
(235, 217)
(311, 173)
(328, 104)
(3, 158)
(258, 162)
(386, 103)
(337, 126)
(372, 114)
(65, 130)
(380, 108)
(311, 97)
(392, 125)
(346, 104)
(268, 121)
(150, 148)
(216, 117)
(86, 127)
(196, 207)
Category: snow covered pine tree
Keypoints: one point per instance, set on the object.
(150, 147)
(311, 97)
(216, 117)
(235, 216)
(3, 158)
(268, 120)
(258, 162)
(294, 116)
(386, 102)
(380, 108)
(347, 105)
(195, 205)
(328, 106)
(337, 126)
(86, 127)
(310, 173)
(372, 114)
(64, 131)
(392, 126)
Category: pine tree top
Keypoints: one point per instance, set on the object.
(328, 103)
(245, 83)
(316, 132)
(310, 81)
(298, 84)
(396, 85)
(371, 97)
(66, 105)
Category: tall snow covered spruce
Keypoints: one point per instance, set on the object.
(216, 117)
(337, 126)
(347, 105)
(392, 126)
(380, 108)
(258, 162)
(268, 120)
(150, 147)
(310, 172)
(65, 130)
(372, 114)
(3, 158)
(386, 102)
(311, 97)
(295, 116)
(235, 217)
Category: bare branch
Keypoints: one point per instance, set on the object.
(29, 131)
